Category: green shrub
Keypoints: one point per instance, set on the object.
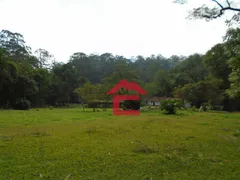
(170, 106)
(194, 109)
(207, 106)
(217, 108)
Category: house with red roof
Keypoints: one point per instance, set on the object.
(130, 86)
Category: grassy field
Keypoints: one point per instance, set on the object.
(71, 144)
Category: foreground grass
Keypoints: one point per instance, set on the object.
(71, 144)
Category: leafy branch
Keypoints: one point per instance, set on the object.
(204, 12)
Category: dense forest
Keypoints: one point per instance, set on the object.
(37, 79)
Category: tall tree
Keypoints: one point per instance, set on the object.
(232, 40)
(216, 60)
(206, 91)
(44, 57)
(190, 70)
(162, 81)
(14, 44)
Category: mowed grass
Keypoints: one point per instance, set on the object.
(71, 144)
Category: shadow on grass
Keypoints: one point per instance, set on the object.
(39, 134)
(91, 129)
(6, 138)
(237, 133)
(144, 148)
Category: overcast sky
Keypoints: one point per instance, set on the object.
(123, 27)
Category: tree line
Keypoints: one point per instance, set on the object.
(37, 79)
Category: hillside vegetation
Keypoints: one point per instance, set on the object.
(36, 79)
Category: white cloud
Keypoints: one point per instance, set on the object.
(124, 27)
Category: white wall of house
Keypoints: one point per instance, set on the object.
(157, 103)
(152, 103)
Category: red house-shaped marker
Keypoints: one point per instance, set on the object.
(117, 98)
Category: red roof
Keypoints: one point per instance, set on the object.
(127, 85)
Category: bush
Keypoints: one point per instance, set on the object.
(217, 108)
(194, 109)
(22, 104)
(170, 106)
(207, 106)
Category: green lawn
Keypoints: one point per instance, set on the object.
(71, 144)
